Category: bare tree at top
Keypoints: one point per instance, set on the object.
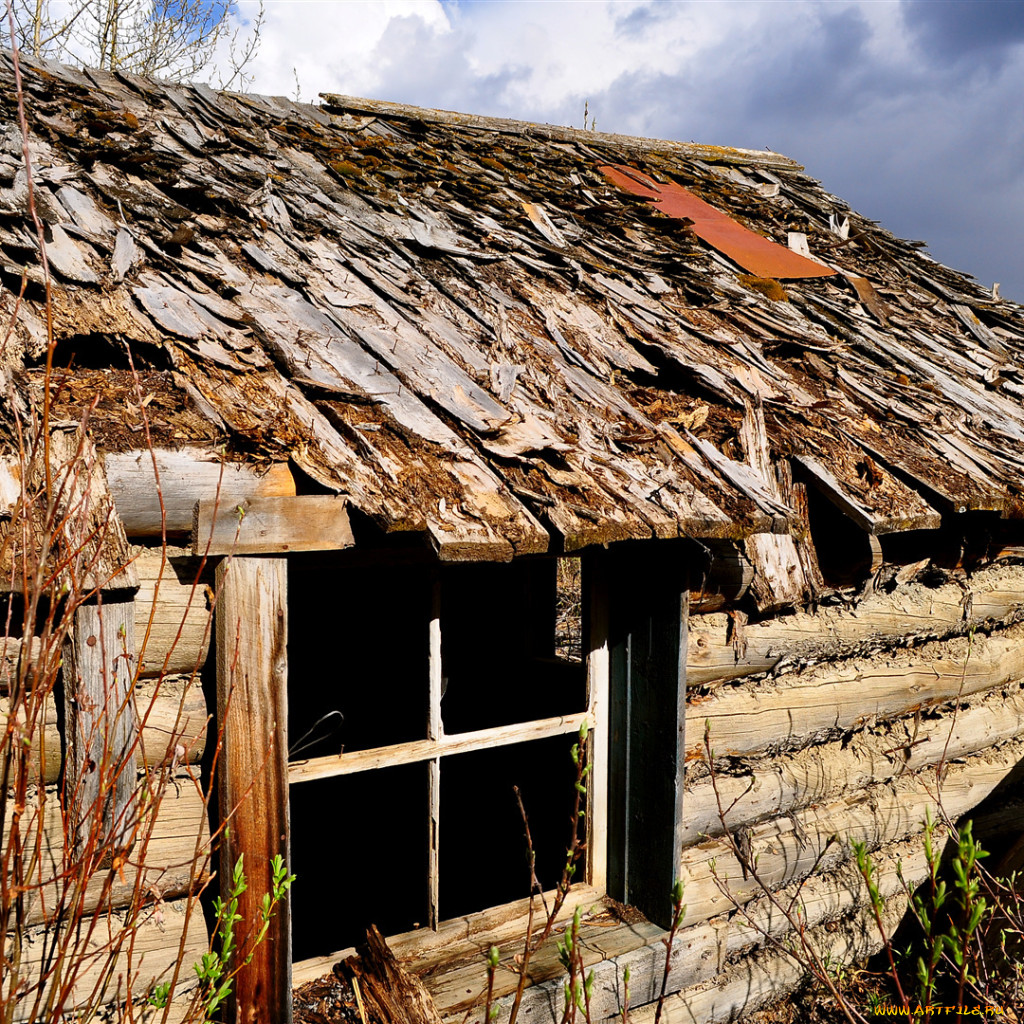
(174, 39)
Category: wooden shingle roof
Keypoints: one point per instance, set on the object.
(463, 325)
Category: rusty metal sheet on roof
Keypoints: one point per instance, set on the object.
(753, 252)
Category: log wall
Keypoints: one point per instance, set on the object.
(848, 723)
(168, 832)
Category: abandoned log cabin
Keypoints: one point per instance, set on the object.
(374, 386)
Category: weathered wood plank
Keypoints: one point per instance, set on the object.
(272, 525)
(459, 984)
(185, 477)
(102, 729)
(912, 611)
(807, 705)
(459, 937)
(252, 676)
(424, 750)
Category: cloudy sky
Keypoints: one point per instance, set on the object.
(911, 110)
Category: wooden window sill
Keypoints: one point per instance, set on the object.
(451, 960)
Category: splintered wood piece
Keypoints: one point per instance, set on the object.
(315, 522)
(917, 514)
(780, 574)
(391, 995)
(252, 708)
(102, 730)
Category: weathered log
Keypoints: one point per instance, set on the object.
(170, 835)
(824, 772)
(786, 849)
(912, 612)
(175, 615)
(165, 939)
(185, 478)
(80, 537)
(828, 700)
(172, 614)
(726, 579)
(172, 714)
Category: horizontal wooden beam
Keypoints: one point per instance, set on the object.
(691, 150)
(424, 750)
(147, 507)
(255, 526)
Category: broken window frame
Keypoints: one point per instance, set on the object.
(438, 744)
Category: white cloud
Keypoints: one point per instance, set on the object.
(329, 45)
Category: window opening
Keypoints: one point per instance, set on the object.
(359, 842)
(358, 657)
(455, 682)
(569, 610)
(500, 654)
(483, 849)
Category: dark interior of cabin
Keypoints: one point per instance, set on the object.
(359, 679)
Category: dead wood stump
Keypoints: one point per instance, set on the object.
(389, 993)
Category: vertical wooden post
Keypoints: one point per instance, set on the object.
(252, 712)
(595, 637)
(648, 611)
(434, 731)
(101, 728)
